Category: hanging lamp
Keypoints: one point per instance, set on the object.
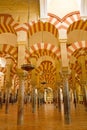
(28, 66)
(44, 82)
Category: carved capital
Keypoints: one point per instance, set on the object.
(21, 73)
(64, 73)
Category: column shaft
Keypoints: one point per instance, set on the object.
(7, 85)
(20, 113)
(66, 101)
(59, 99)
(33, 101)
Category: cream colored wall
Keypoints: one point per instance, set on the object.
(63, 7)
(20, 9)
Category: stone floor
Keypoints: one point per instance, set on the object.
(47, 117)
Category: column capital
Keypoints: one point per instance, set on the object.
(21, 42)
(65, 73)
(21, 36)
(63, 40)
(21, 73)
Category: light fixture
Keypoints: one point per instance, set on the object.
(44, 82)
(28, 66)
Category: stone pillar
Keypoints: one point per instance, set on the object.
(66, 98)
(64, 61)
(55, 96)
(64, 58)
(1, 89)
(1, 99)
(59, 99)
(75, 97)
(21, 42)
(38, 99)
(45, 95)
(7, 85)
(7, 99)
(20, 113)
(74, 87)
(85, 91)
(33, 100)
(84, 94)
(83, 78)
(41, 97)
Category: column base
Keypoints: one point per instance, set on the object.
(67, 119)
(20, 118)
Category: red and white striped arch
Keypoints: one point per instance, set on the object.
(78, 25)
(13, 70)
(9, 50)
(37, 26)
(66, 21)
(75, 46)
(76, 66)
(46, 46)
(7, 24)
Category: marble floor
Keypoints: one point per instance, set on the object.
(47, 117)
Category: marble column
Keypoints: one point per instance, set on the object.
(33, 100)
(84, 94)
(22, 43)
(1, 100)
(64, 72)
(55, 96)
(20, 113)
(45, 93)
(59, 99)
(74, 86)
(7, 85)
(38, 98)
(7, 99)
(66, 98)
(75, 97)
(83, 78)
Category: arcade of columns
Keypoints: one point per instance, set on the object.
(61, 64)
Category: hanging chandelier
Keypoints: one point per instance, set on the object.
(44, 82)
(28, 66)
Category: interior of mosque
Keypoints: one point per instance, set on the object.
(43, 47)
